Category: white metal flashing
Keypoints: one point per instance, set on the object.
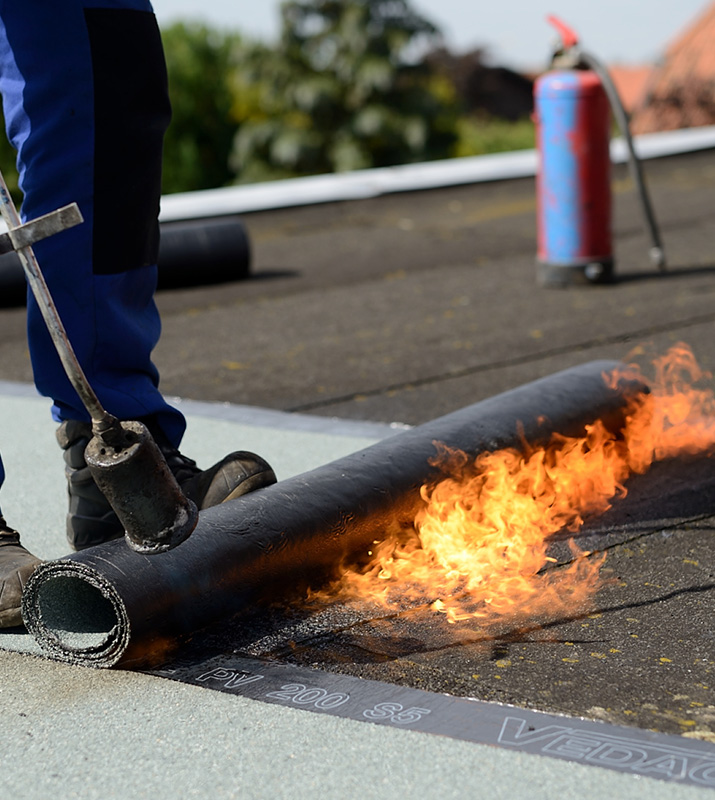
(368, 183)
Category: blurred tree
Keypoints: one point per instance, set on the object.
(345, 89)
(495, 103)
(483, 88)
(199, 140)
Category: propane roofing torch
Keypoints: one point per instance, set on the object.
(123, 458)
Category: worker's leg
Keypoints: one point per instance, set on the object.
(86, 105)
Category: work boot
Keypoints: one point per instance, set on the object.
(16, 566)
(91, 520)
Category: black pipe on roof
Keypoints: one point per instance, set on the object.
(195, 252)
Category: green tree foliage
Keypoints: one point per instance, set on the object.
(345, 89)
(350, 84)
(495, 103)
(480, 134)
(198, 143)
(8, 161)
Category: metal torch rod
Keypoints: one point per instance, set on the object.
(102, 421)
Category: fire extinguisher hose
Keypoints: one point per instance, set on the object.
(657, 254)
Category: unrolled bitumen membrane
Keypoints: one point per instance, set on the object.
(109, 605)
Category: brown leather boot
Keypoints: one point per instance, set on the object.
(16, 566)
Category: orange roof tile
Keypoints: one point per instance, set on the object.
(630, 82)
(681, 91)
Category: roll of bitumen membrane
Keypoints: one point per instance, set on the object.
(191, 253)
(203, 251)
(13, 288)
(109, 605)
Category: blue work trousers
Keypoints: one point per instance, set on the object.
(85, 98)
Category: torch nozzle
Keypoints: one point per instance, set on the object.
(110, 431)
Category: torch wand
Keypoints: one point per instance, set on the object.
(124, 460)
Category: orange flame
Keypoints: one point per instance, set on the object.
(480, 543)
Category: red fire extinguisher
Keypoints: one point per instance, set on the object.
(573, 103)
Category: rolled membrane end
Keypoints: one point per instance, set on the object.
(75, 614)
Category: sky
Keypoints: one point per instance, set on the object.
(515, 32)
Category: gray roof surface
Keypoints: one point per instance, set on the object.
(361, 314)
(77, 732)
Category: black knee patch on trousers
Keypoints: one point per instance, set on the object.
(131, 114)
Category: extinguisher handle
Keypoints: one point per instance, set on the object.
(569, 37)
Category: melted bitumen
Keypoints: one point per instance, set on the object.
(642, 657)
